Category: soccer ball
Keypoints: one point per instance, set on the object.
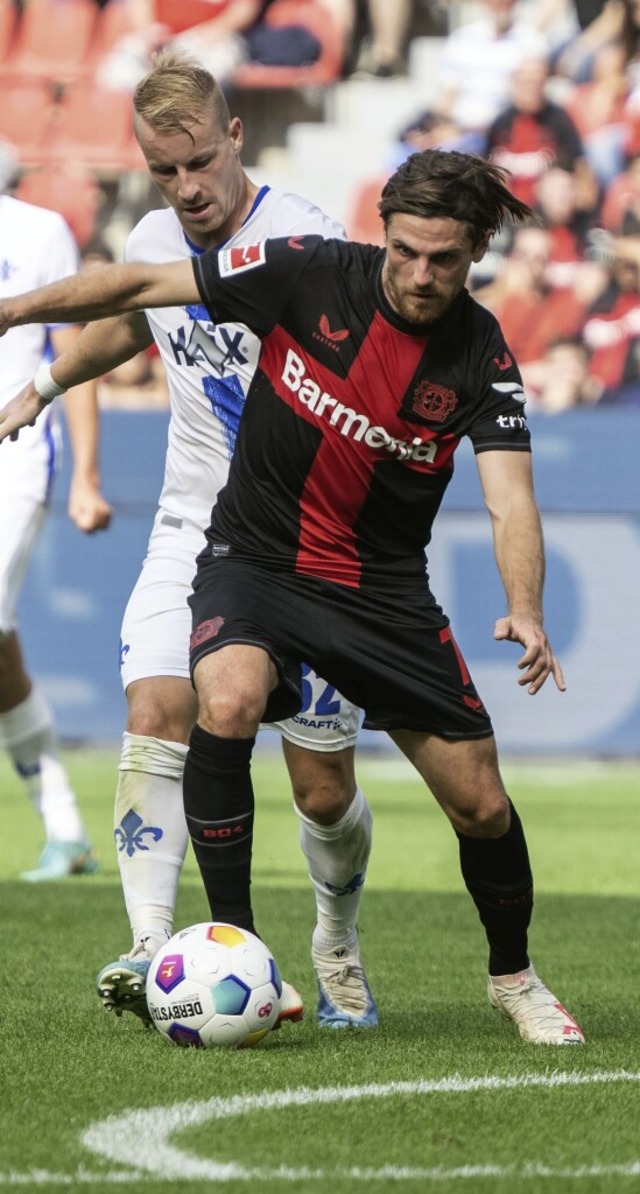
(214, 985)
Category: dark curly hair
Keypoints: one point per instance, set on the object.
(445, 183)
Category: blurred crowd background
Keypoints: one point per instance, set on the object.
(334, 94)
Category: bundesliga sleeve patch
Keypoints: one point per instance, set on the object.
(236, 261)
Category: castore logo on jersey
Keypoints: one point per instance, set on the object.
(328, 337)
(503, 362)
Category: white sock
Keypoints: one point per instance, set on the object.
(27, 734)
(150, 831)
(337, 857)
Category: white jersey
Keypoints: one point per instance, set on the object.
(209, 367)
(36, 248)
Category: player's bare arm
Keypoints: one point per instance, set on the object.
(97, 293)
(87, 507)
(101, 347)
(507, 484)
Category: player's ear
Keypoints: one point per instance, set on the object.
(236, 134)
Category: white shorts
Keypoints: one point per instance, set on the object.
(156, 627)
(21, 520)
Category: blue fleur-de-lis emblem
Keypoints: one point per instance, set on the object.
(130, 834)
(349, 888)
(6, 270)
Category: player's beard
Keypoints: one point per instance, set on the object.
(417, 308)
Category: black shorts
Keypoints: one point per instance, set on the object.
(391, 654)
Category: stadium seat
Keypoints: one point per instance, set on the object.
(52, 41)
(26, 118)
(94, 127)
(113, 22)
(71, 191)
(180, 15)
(328, 67)
(364, 223)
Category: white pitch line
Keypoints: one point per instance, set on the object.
(84, 1177)
(145, 1134)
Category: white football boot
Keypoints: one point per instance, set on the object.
(534, 1009)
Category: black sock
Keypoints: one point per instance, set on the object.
(219, 806)
(498, 878)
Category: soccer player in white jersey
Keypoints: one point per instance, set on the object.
(192, 148)
(37, 247)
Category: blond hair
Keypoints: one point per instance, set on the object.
(177, 93)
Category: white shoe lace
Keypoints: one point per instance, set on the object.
(346, 989)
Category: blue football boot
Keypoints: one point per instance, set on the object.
(59, 860)
(345, 999)
(121, 985)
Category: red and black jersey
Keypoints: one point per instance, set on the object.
(346, 443)
(528, 144)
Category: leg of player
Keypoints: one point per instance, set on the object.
(27, 734)
(150, 831)
(335, 835)
(465, 780)
(151, 836)
(233, 685)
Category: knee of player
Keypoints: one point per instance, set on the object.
(151, 715)
(228, 714)
(156, 722)
(322, 792)
(322, 805)
(487, 816)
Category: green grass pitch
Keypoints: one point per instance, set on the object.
(443, 1096)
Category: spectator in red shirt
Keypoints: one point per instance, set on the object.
(556, 201)
(611, 331)
(531, 311)
(531, 133)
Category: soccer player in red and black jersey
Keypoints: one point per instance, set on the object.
(374, 364)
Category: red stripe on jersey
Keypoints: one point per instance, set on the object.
(446, 636)
(359, 416)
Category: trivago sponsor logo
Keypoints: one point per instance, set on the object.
(348, 421)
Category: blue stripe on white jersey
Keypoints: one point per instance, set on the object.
(209, 366)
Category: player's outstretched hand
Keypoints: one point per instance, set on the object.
(22, 411)
(87, 508)
(538, 661)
